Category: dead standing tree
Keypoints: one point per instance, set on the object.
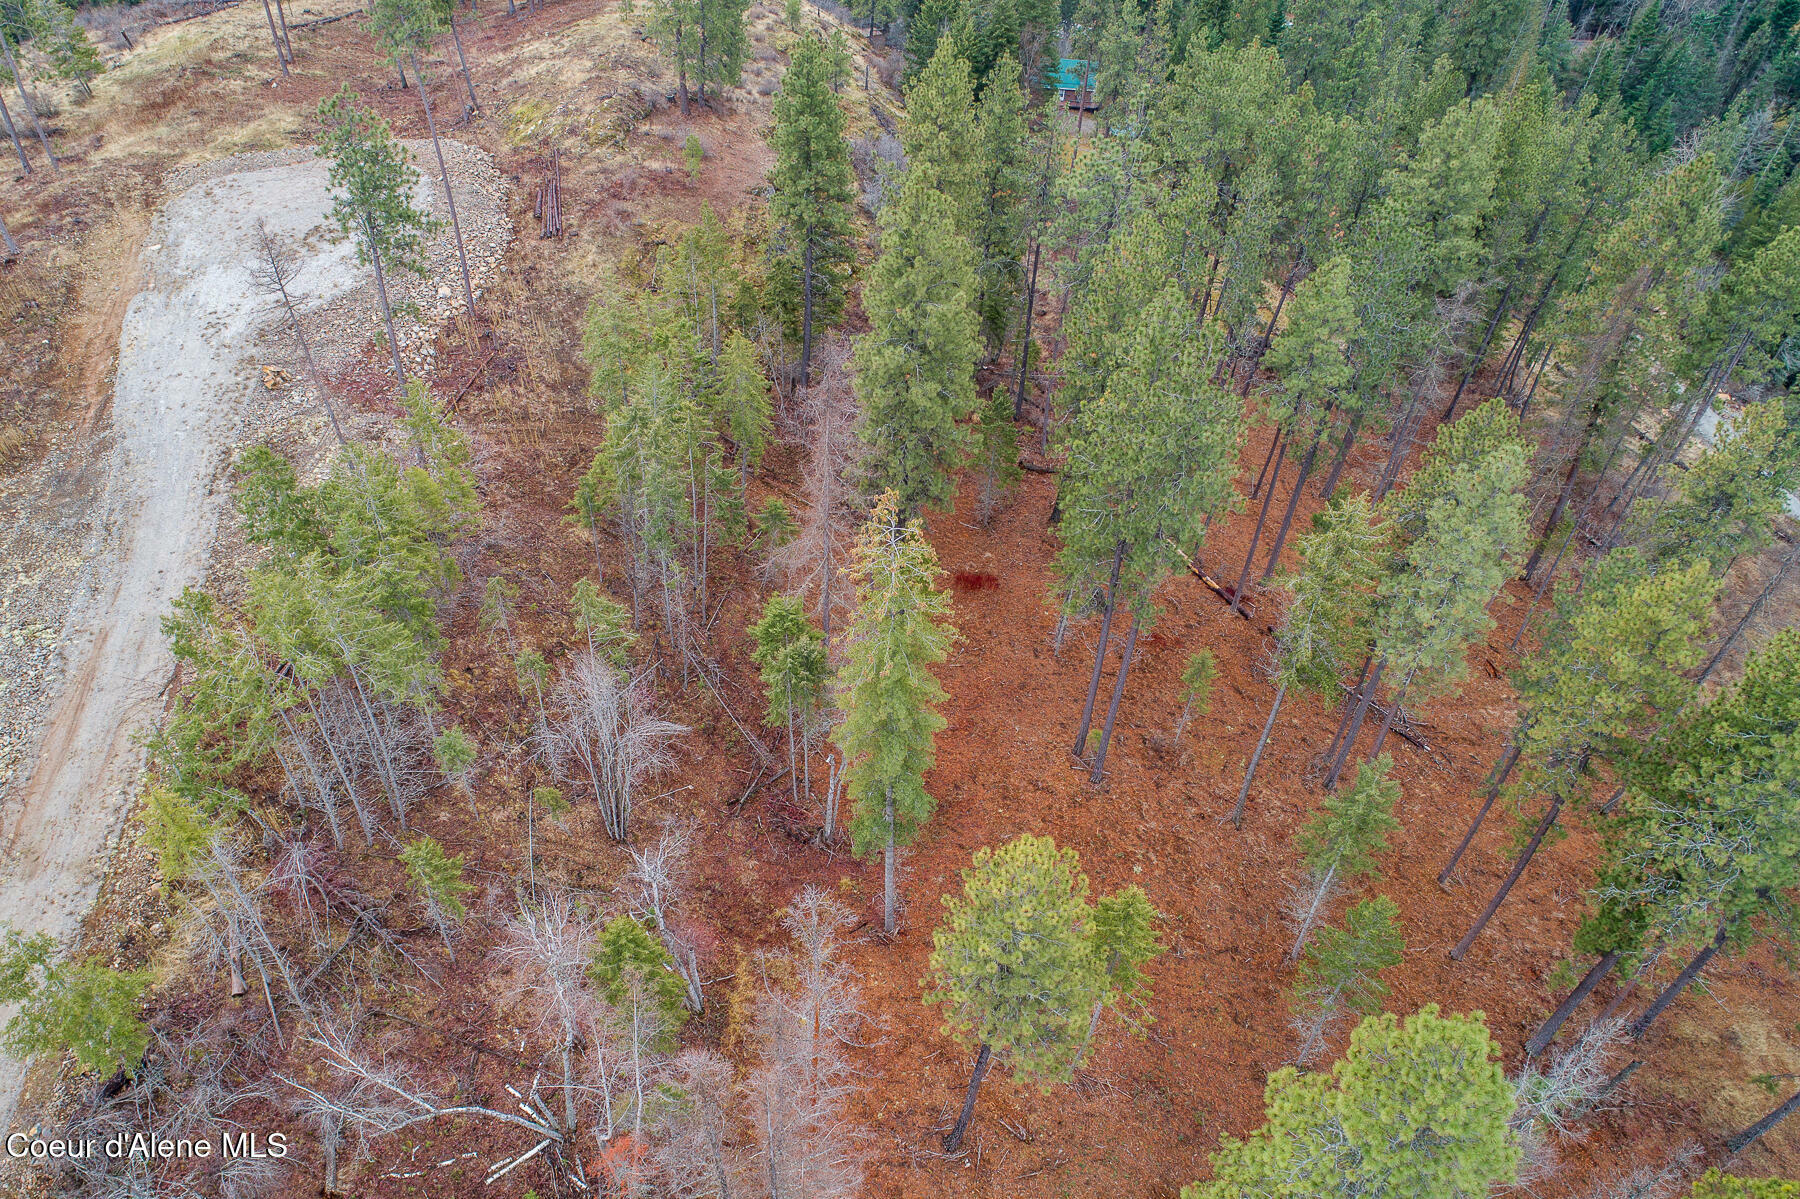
(814, 560)
(603, 730)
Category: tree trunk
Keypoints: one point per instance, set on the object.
(1356, 722)
(1525, 856)
(1237, 594)
(1739, 1142)
(387, 309)
(887, 871)
(1350, 698)
(1112, 709)
(1564, 493)
(1025, 333)
(1093, 692)
(1543, 585)
(30, 108)
(280, 51)
(1540, 1040)
(287, 43)
(1475, 361)
(1502, 771)
(6, 240)
(1673, 991)
(1293, 504)
(12, 132)
(1762, 597)
(1312, 913)
(1262, 742)
(1261, 475)
(1387, 721)
(953, 1142)
(463, 62)
(1343, 456)
(462, 258)
(806, 310)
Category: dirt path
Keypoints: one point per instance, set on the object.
(183, 383)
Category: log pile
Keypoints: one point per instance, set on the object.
(549, 198)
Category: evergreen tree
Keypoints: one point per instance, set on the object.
(80, 1008)
(1196, 689)
(811, 185)
(998, 234)
(1325, 628)
(65, 44)
(675, 24)
(887, 693)
(455, 753)
(438, 878)
(791, 653)
(1023, 960)
(1420, 1108)
(403, 29)
(1728, 496)
(942, 137)
(625, 949)
(1342, 839)
(372, 182)
(1716, 1185)
(1342, 971)
(604, 622)
(1615, 665)
(1149, 465)
(915, 368)
(996, 454)
(723, 44)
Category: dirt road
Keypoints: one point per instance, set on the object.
(183, 382)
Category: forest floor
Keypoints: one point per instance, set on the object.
(1143, 1117)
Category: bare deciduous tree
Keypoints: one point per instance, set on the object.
(602, 730)
(548, 950)
(828, 419)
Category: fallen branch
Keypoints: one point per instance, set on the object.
(1035, 469)
(355, 12)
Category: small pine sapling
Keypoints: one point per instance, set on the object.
(495, 614)
(1341, 841)
(1341, 971)
(791, 653)
(605, 622)
(626, 949)
(774, 524)
(454, 751)
(438, 878)
(177, 831)
(692, 155)
(996, 456)
(1196, 690)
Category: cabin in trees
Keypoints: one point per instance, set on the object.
(1075, 84)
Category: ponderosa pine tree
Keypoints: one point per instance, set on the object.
(723, 45)
(1705, 852)
(1726, 499)
(1420, 1108)
(1620, 663)
(886, 690)
(1309, 361)
(1436, 603)
(1325, 629)
(1150, 463)
(1023, 963)
(1341, 971)
(942, 137)
(1341, 840)
(791, 653)
(1005, 181)
(403, 28)
(811, 185)
(915, 368)
(372, 180)
(675, 24)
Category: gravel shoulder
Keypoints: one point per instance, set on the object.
(104, 535)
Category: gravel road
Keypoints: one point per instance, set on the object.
(185, 380)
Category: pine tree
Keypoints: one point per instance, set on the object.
(1420, 1108)
(1341, 971)
(625, 949)
(1005, 182)
(675, 24)
(1342, 839)
(1149, 465)
(80, 1008)
(996, 455)
(438, 878)
(372, 182)
(402, 29)
(1196, 689)
(1309, 359)
(724, 44)
(915, 368)
(604, 622)
(811, 185)
(887, 693)
(1615, 665)
(455, 752)
(1325, 629)
(66, 44)
(1022, 961)
(942, 137)
(1716, 1185)
(1436, 604)
(791, 653)
(1728, 496)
